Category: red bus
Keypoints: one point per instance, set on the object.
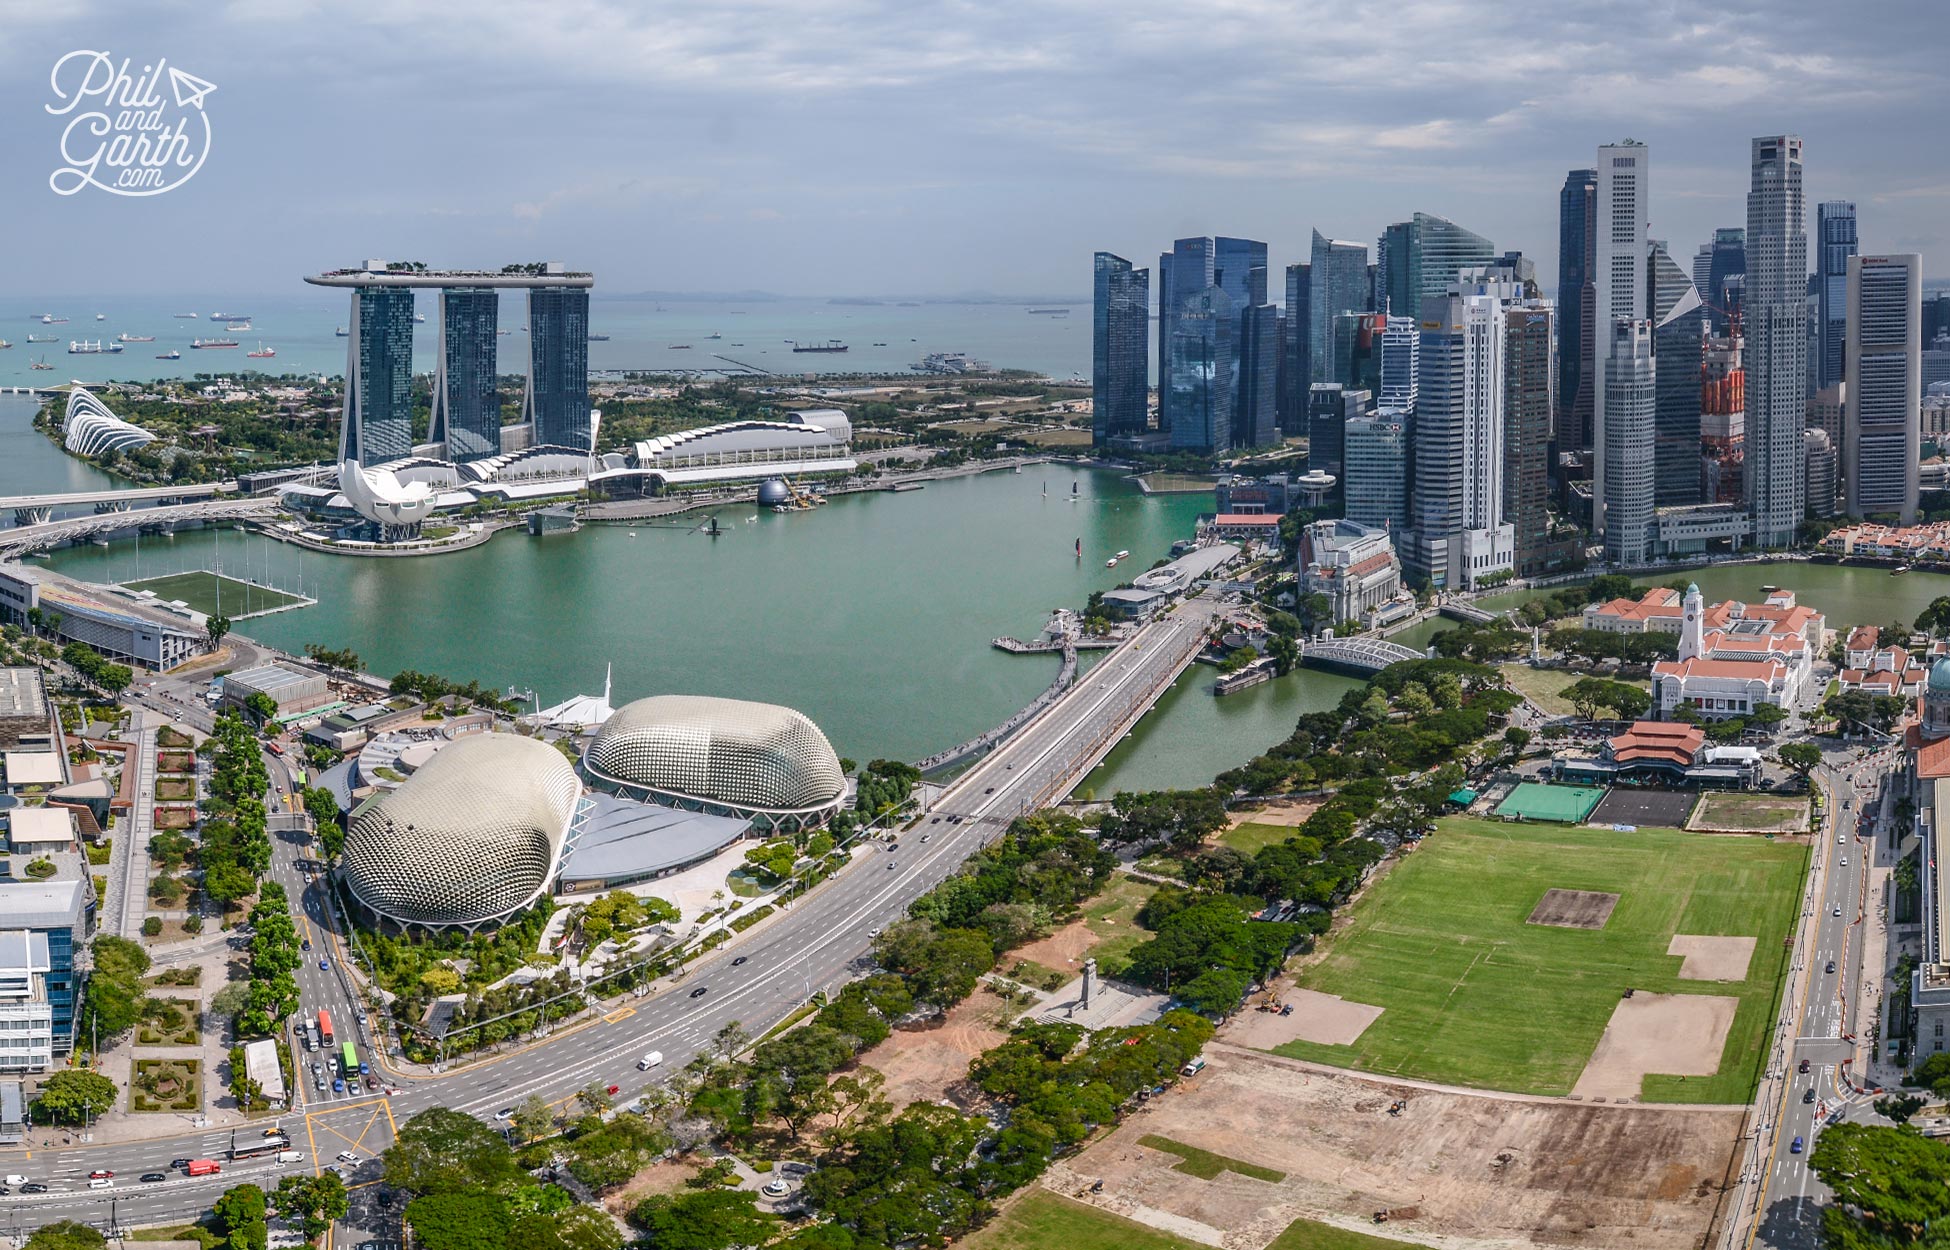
(276, 748)
(325, 1026)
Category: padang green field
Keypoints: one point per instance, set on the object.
(1473, 995)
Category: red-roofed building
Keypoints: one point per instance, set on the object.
(1665, 751)
(1734, 656)
(1353, 565)
(1258, 525)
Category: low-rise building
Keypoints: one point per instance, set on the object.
(1354, 565)
(26, 1015)
(1260, 526)
(1669, 752)
(61, 911)
(1735, 656)
(1874, 669)
(294, 692)
(120, 635)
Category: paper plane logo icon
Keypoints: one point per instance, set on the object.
(189, 89)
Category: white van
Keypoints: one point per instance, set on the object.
(15, 1178)
(291, 1156)
(650, 1061)
(101, 1182)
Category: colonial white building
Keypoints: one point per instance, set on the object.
(1735, 656)
(1354, 565)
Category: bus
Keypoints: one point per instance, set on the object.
(272, 1141)
(349, 1056)
(324, 1026)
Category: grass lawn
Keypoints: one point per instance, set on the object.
(1249, 837)
(1057, 436)
(1307, 1235)
(1112, 916)
(1545, 686)
(1204, 1164)
(207, 592)
(1787, 813)
(1473, 995)
(1043, 1219)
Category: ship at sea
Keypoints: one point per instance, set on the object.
(101, 316)
(222, 316)
(240, 326)
(49, 319)
(200, 343)
(599, 338)
(187, 316)
(342, 332)
(126, 337)
(830, 345)
(262, 352)
(4, 344)
(1049, 312)
(91, 347)
(171, 354)
(41, 364)
(43, 338)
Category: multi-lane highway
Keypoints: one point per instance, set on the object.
(817, 943)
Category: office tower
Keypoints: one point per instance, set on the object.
(1256, 414)
(1936, 316)
(1725, 277)
(1375, 470)
(1330, 406)
(1703, 272)
(1202, 383)
(1357, 351)
(1884, 392)
(1420, 257)
(1818, 453)
(1234, 262)
(1722, 419)
(1575, 201)
(377, 425)
(1458, 534)
(1119, 360)
(1338, 283)
(1184, 271)
(1401, 350)
(557, 401)
(1827, 412)
(1773, 313)
(1834, 244)
(1618, 276)
(1295, 363)
(1528, 391)
(1630, 408)
(1678, 344)
(466, 416)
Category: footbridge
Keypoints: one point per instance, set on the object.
(1456, 609)
(23, 539)
(39, 509)
(1360, 653)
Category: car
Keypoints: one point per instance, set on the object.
(305, 945)
(740, 961)
(990, 790)
(700, 991)
(16, 1178)
(338, 1085)
(33, 1187)
(371, 1082)
(935, 821)
(892, 847)
(1838, 911)
(183, 1163)
(1847, 803)
(1808, 1095)
(872, 933)
(1831, 965)
(317, 1067)
(1804, 1066)
(324, 965)
(1794, 1148)
(1841, 839)
(924, 837)
(613, 1090)
(100, 1174)
(153, 1178)
(364, 1068)
(101, 1182)
(346, 1156)
(318, 1083)
(505, 1114)
(891, 865)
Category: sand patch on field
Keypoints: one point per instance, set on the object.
(1573, 909)
(1670, 1034)
(1712, 958)
(1062, 950)
(1326, 1019)
(931, 1064)
(1290, 812)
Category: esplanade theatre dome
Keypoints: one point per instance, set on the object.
(757, 761)
(473, 836)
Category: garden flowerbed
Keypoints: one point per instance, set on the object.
(167, 1085)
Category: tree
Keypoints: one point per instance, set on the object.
(442, 1151)
(1899, 1107)
(1802, 757)
(459, 1221)
(73, 1096)
(1933, 1072)
(578, 1228)
(1889, 1183)
(65, 1235)
(339, 662)
(706, 1220)
(534, 1118)
(214, 629)
(1935, 619)
(262, 706)
(317, 1201)
(240, 1214)
(730, 1040)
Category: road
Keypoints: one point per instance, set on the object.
(817, 943)
(1819, 1007)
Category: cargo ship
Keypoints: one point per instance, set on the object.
(43, 338)
(221, 316)
(91, 347)
(126, 337)
(599, 338)
(200, 343)
(171, 354)
(830, 345)
(1049, 312)
(49, 319)
(187, 316)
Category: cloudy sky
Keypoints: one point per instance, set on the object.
(848, 147)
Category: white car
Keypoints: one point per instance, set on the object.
(101, 1182)
(506, 1113)
(346, 1156)
(1844, 861)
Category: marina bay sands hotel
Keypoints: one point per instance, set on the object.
(378, 424)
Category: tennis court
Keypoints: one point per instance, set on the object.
(1567, 805)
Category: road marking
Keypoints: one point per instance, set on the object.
(619, 1015)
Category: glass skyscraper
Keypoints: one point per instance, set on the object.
(378, 420)
(1574, 242)
(558, 373)
(1338, 283)
(1679, 353)
(1202, 382)
(1256, 421)
(1774, 313)
(1725, 276)
(1295, 370)
(466, 404)
(1187, 269)
(1119, 351)
(1835, 242)
(1420, 257)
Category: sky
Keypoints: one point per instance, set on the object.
(883, 147)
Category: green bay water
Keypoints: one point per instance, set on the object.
(872, 614)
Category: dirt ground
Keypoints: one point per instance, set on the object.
(1751, 813)
(1489, 1172)
(928, 1065)
(1325, 1018)
(664, 1177)
(1063, 950)
(1712, 958)
(1284, 812)
(1675, 1034)
(1574, 909)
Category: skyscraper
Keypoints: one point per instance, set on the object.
(1338, 283)
(378, 422)
(1202, 383)
(1618, 276)
(1420, 257)
(1834, 243)
(1528, 387)
(1703, 272)
(1184, 271)
(466, 415)
(1256, 413)
(1239, 269)
(1119, 352)
(1330, 407)
(1630, 408)
(1884, 392)
(1725, 277)
(1773, 313)
(557, 401)
(1375, 477)
(1459, 535)
(1401, 353)
(1295, 363)
(1678, 344)
(1574, 240)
